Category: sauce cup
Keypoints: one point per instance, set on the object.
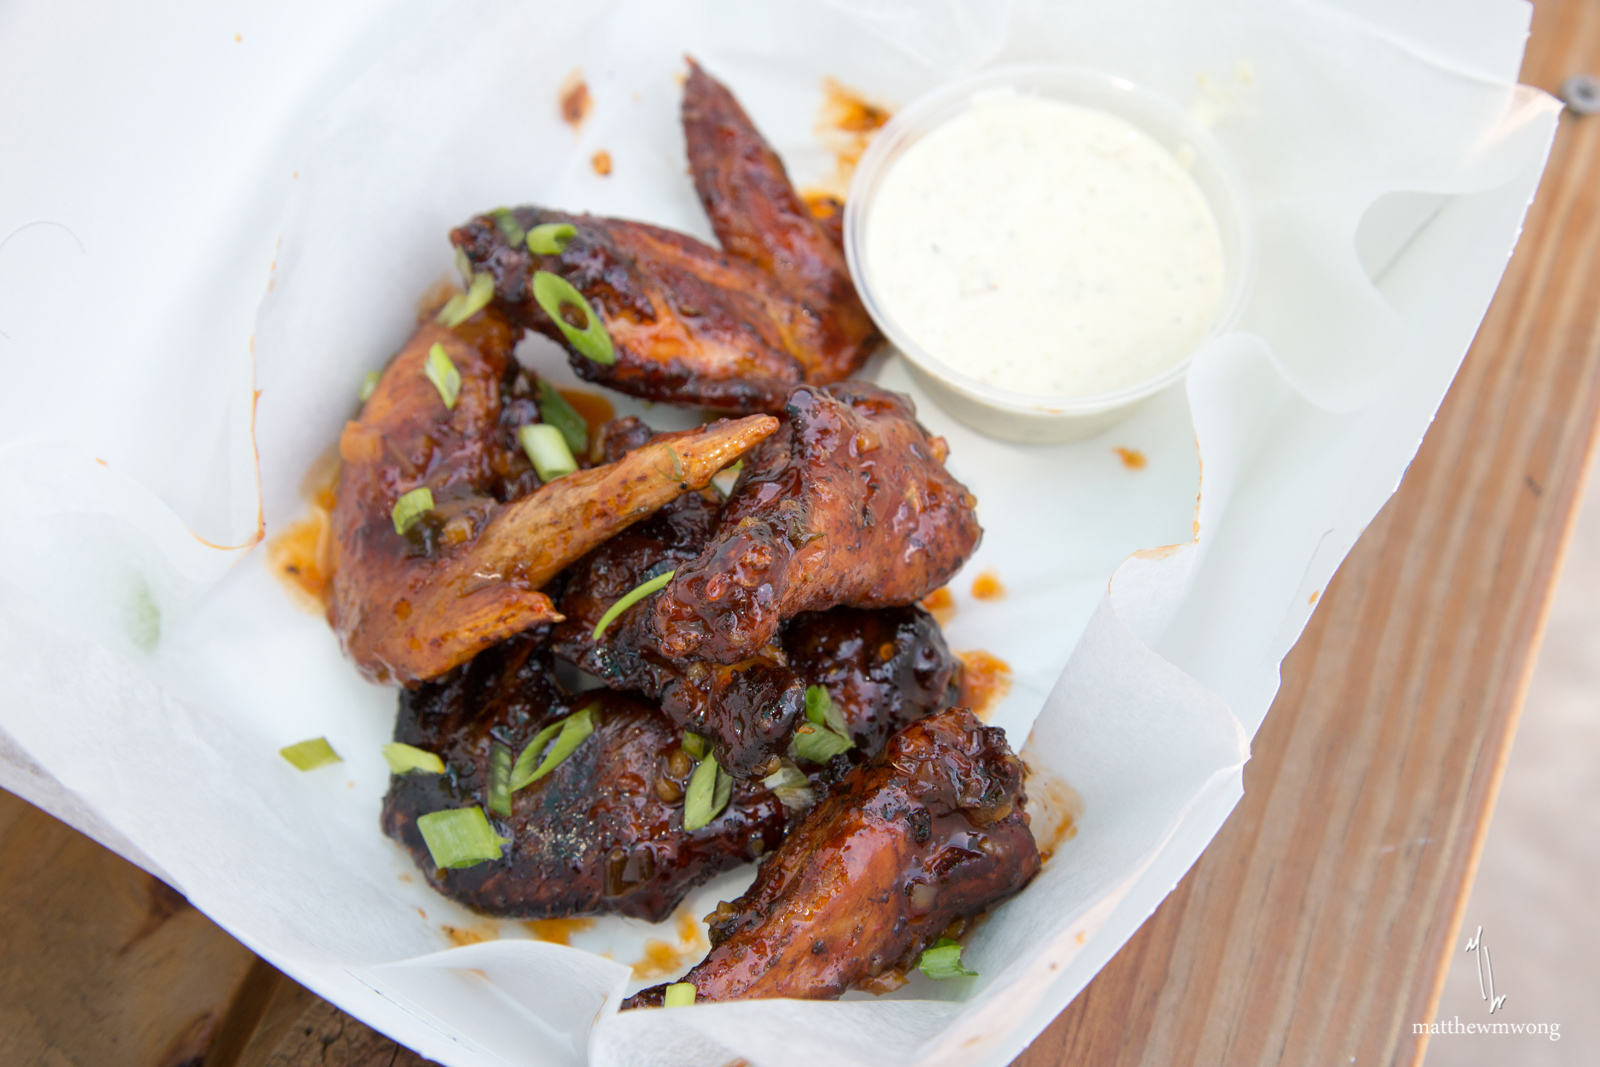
(1026, 417)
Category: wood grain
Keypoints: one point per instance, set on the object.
(1317, 926)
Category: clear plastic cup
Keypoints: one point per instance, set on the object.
(1027, 417)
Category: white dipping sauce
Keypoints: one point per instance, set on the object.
(1044, 248)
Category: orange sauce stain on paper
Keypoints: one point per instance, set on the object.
(660, 959)
(574, 100)
(302, 558)
(1315, 593)
(557, 931)
(1131, 458)
(985, 681)
(473, 935)
(1054, 807)
(601, 162)
(689, 932)
(941, 605)
(986, 586)
(846, 123)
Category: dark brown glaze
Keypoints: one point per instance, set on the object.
(932, 830)
(758, 217)
(469, 573)
(884, 669)
(848, 504)
(746, 709)
(602, 833)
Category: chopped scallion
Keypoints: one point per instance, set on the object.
(791, 786)
(679, 995)
(629, 599)
(552, 291)
(411, 507)
(547, 449)
(710, 788)
(463, 266)
(555, 411)
(821, 709)
(369, 385)
(725, 479)
(460, 837)
(403, 759)
(942, 960)
(463, 306)
(824, 734)
(500, 780)
(569, 733)
(443, 374)
(550, 238)
(509, 227)
(695, 746)
(309, 755)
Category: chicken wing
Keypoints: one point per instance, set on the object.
(931, 831)
(733, 330)
(602, 832)
(848, 504)
(411, 605)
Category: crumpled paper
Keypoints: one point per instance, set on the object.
(1389, 157)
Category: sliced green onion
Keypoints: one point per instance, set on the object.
(552, 291)
(403, 759)
(460, 837)
(710, 788)
(822, 711)
(791, 786)
(723, 481)
(463, 306)
(629, 599)
(942, 960)
(369, 385)
(309, 755)
(818, 744)
(463, 266)
(695, 746)
(500, 780)
(679, 995)
(569, 734)
(547, 449)
(411, 507)
(555, 411)
(443, 374)
(550, 238)
(507, 224)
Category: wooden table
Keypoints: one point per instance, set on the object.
(1317, 926)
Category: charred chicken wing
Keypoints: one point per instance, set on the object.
(848, 504)
(602, 832)
(931, 830)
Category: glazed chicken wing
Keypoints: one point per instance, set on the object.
(733, 330)
(468, 573)
(849, 504)
(602, 832)
(931, 830)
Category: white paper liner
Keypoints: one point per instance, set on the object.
(152, 686)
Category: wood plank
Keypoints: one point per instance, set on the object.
(1317, 926)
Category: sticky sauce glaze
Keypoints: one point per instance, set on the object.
(1045, 248)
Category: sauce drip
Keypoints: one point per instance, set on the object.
(557, 931)
(941, 604)
(985, 681)
(986, 586)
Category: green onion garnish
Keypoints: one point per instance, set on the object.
(824, 734)
(369, 385)
(443, 374)
(710, 787)
(500, 780)
(547, 449)
(695, 746)
(725, 478)
(552, 291)
(411, 507)
(507, 224)
(460, 837)
(629, 599)
(463, 306)
(403, 759)
(550, 238)
(463, 266)
(569, 734)
(555, 411)
(942, 960)
(309, 755)
(791, 786)
(679, 995)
